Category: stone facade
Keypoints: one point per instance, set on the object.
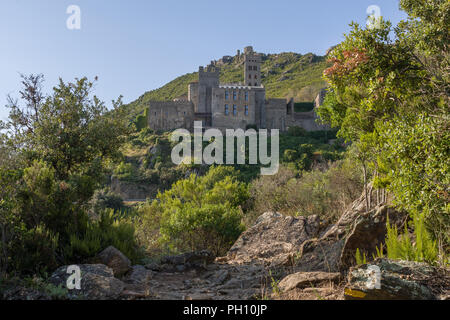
(230, 106)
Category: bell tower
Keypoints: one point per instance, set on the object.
(252, 73)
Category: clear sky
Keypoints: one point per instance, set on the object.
(138, 45)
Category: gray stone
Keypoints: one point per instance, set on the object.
(400, 280)
(114, 259)
(97, 282)
(274, 239)
(307, 279)
(138, 275)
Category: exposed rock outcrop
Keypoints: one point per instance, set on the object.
(273, 240)
(399, 280)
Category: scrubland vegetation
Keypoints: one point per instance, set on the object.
(388, 101)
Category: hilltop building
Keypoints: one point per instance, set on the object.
(230, 106)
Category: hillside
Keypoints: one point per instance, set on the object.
(285, 75)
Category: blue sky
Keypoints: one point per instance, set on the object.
(137, 45)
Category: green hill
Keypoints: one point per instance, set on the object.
(285, 75)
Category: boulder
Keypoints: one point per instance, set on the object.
(399, 280)
(273, 239)
(303, 280)
(114, 259)
(357, 228)
(97, 282)
(138, 275)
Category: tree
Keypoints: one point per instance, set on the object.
(389, 94)
(58, 146)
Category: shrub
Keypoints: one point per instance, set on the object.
(106, 231)
(402, 248)
(196, 213)
(326, 193)
(125, 171)
(296, 131)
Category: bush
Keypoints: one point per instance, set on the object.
(296, 131)
(105, 199)
(196, 213)
(125, 171)
(402, 248)
(106, 231)
(326, 193)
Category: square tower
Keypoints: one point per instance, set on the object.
(252, 67)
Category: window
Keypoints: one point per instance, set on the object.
(234, 95)
(226, 94)
(226, 109)
(255, 68)
(246, 110)
(246, 95)
(234, 109)
(249, 76)
(256, 77)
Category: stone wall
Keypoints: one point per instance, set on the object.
(169, 115)
(276, 113)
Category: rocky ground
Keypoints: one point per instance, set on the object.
(280, 257)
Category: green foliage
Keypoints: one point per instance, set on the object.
(325, 191)
(61, 145)
(303, 106)
(296, 131)
(125, 171)
(197, 213)
(423, 249)
(389, 95)
(141, 121)
(360, 258)
(105, 199)
(108, 230)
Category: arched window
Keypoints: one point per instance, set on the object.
(246, 110)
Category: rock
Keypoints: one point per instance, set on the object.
(189, 260)
(319, 255)
(114, 259)
(368, 232)
(399, 280)
(180, 268)
(273, 239)
(357, 228)
(23, 293)
(138, 275)
(153, 266)
(220, 277)
(307, 279)
(97, 282)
